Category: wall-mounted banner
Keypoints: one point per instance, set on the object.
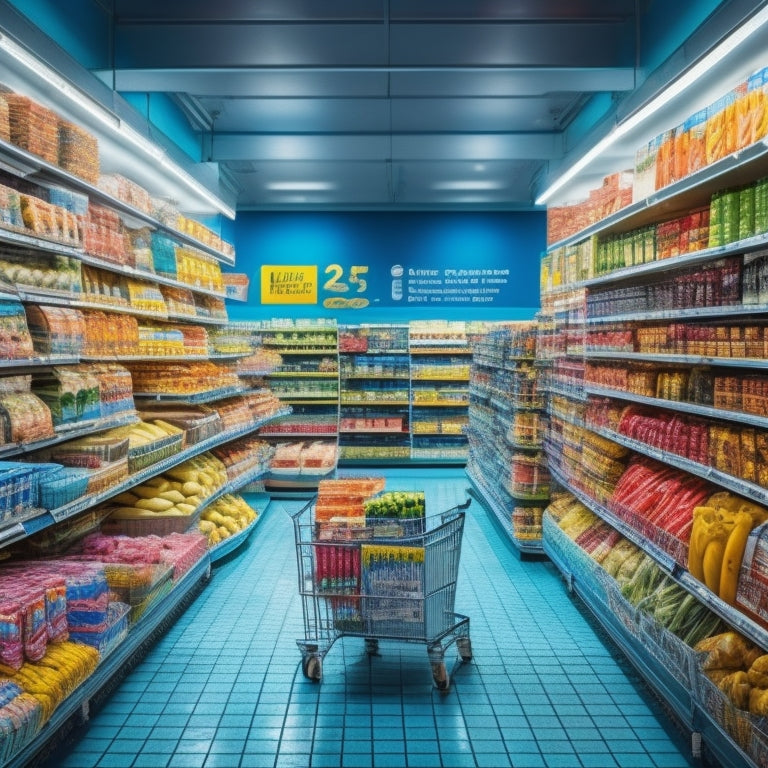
(282, 284)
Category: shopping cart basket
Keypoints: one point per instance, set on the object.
(381, 579)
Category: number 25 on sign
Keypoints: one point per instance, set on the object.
(337, 284)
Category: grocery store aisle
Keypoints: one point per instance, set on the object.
(224, 686)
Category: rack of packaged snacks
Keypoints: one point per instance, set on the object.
(441, 354)
(659, 427)
(507, 422)
(305, 377)
(374, 374)
(99, 280)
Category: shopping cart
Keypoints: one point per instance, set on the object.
(386, 579)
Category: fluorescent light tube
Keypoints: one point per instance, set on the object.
(472, 185)
(301, 186)
(674, 89)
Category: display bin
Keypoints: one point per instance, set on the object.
(677, 658)
(372, 586)
(625, 613)
(143, 456)
(739, 724)
(155, 525)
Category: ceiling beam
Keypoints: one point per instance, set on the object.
(332, 148)
(372, 82)
(243, 45)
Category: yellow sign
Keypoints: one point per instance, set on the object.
(288, 284)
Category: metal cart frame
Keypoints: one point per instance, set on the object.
(410, 597)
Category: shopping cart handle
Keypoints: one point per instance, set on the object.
(466, 503)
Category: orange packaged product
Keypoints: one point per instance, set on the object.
(757, 87)
(697, 150)
(680, 152)
(664, 160)
(716, 140)
(732, 118)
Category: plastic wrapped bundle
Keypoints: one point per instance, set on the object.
(69, 200)
(33, 127)
(15, 339)
(127, 191)
(11, 631)
(10, 208)
(78, 152)
(55, 330)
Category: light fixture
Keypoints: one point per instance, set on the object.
(674, 89)
(301, 186)
(111, 121)
(471, 185)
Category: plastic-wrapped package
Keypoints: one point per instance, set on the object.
(78, 152)
(33, 127)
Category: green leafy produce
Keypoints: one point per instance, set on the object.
(397, 505)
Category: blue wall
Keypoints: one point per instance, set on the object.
(424, 241)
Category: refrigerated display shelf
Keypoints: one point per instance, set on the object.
(693, 191)
(79, 505)
(739, 621)
(674, 263)
(731, 310)
(679, 405)
(731, 482)
(71, 431)
(494, 504)
(689, 712)
(195, 398)
(236, 540)
(662, 357)
(664, 684)
(113, 664)
(28, 164)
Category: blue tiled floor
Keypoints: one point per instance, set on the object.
(224, 687)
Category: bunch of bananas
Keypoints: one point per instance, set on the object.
(178, 491)
(226, 516)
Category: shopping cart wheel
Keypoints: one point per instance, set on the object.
(312, 667)
(464, 645)
(440, 676)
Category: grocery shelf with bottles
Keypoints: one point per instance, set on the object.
(655, 328)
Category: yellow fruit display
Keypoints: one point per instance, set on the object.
(226, 516)
(179, 491)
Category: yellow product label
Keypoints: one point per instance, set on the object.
(288, 284)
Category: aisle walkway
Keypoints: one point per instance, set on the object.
(224, 686)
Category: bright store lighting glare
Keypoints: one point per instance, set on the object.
(124, 131)
(467, 185)
(301, 186)
(674, 89)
